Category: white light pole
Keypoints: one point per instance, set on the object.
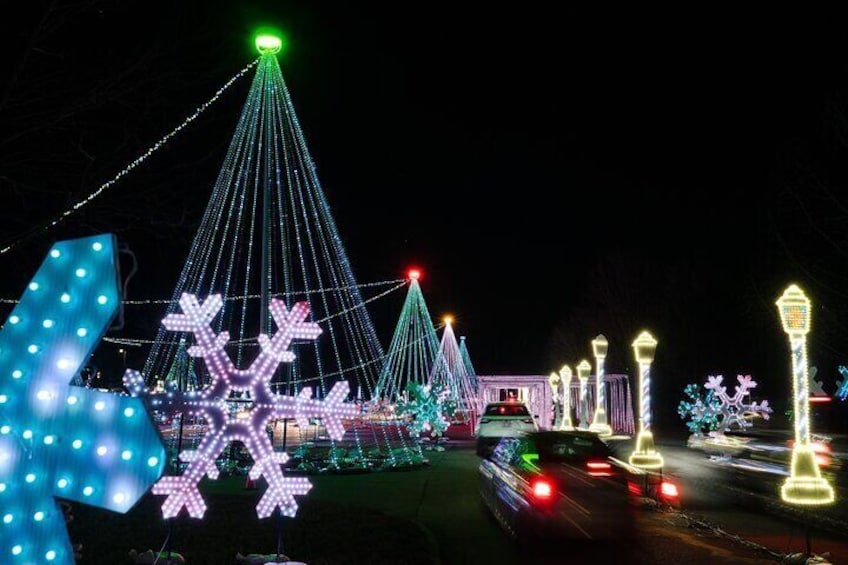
(805, 485)
(599, 421)
(645, 455)
(554, 381)
(583, 370)
(565, 379)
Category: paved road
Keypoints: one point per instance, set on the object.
(444, 499)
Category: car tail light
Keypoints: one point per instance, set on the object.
(543, 490)
(634, 488)
(669, 490)
(599, 468)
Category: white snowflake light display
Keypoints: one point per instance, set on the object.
(247, 425)
(733, 409)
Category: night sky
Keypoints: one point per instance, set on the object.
(555, 174)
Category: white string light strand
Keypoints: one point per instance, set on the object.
(398, 282)
(410, 345)
(139, 160)
(255, 340)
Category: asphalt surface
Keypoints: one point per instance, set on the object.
(713, 526)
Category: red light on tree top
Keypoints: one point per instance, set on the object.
(413, 274)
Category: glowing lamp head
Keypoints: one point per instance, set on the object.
(413, 274)
(644, 347)
(600, 345)
(565, 373)
(267, 43)
(448, 320)
(554, 380)
(583, 369)
(794, 309)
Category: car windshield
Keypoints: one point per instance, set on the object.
(506, 410)
(559, 448)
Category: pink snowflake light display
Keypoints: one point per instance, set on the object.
(248, 424)
(734, 409)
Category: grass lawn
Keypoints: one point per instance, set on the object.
(325, 531)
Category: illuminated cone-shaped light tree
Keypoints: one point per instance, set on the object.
(599, 421)
(645, 455)
(268, 233)
(469, 367)
(413, 348)
(805, 485)
(182, 375)
(565, 378)
(449, 372)
(583, 369)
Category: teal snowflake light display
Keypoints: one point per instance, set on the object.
(58, 440)
(428, 409)
(701, 412)
(842, 390)
(413, 348)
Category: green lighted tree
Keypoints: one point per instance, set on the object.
(413, 348)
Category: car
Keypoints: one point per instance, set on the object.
(564, 484)
(502, 419)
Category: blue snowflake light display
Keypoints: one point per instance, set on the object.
(58, 440)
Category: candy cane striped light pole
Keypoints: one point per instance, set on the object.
(583, 370)
(599, 421)
(554, 380)
(805, 485)
(565, 378)
(645, 455)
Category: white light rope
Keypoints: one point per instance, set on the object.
(398, 282)
(139, 160)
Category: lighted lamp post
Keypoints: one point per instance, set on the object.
(565, 377)
(599, 421)
(645, 455)
(583, 370)
(554, 381)
(805, 485)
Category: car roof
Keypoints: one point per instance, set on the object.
(507, 403)
(561, 433)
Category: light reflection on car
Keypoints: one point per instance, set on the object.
(561, 484)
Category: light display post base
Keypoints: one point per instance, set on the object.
(645, 456)
(599, 425)
(806, 486)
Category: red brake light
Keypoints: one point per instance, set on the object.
(542, 489)
(669, 490)
(599, 468)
